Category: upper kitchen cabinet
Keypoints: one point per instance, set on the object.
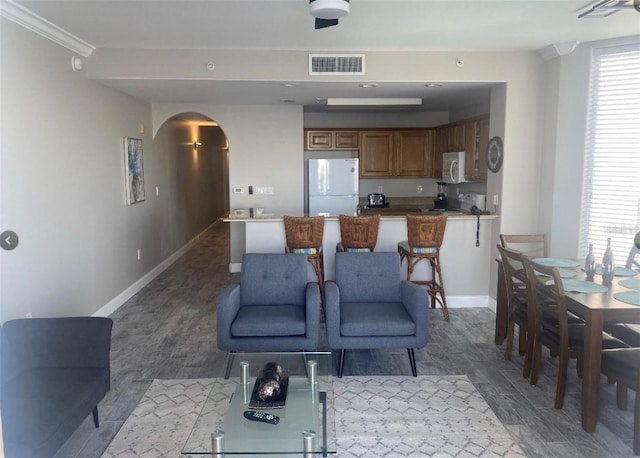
(471, 136)
(397, 153)
(331, 139)
(415, 153)
(441, 146)
(376, 154)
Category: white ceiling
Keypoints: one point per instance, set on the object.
(372, 25)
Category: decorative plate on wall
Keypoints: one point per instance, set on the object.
(494, 154)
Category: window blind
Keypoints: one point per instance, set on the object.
(611, 193)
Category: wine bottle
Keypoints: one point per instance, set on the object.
(608, 264)
(590, 263)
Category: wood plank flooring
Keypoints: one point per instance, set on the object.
(167, 331)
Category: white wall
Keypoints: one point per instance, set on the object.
(561, 170)
(62, 185)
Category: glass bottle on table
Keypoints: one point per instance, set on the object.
(590, 264)
(608, 265)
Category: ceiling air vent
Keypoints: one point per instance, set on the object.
(336, 64)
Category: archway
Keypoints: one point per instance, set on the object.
(194, 182)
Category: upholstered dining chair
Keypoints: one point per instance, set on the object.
(369, 306)
(515, 279)
(358, 233)
(622, 365)
(273, 308)
(546, 299)
(425, 234)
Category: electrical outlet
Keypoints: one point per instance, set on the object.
(139, 254)
(380, 189)
(29, 315)
(157, 191)
(496, 199)
(238, 190)
(419, 189)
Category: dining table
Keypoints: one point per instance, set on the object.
(596, 309)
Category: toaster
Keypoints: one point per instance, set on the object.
(377, 200)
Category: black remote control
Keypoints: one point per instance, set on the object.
(256, 415)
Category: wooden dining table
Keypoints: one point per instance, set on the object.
(595, 309)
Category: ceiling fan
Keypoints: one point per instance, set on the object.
(327, 12)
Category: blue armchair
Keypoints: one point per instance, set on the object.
(370, 306)
(273, 308)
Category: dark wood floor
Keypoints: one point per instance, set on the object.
(167, 331)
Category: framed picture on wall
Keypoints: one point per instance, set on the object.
(134, 170)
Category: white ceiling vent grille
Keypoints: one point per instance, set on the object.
(336, 64)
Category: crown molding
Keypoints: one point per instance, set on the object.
(31, 21)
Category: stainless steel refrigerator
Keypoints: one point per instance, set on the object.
(333, 186)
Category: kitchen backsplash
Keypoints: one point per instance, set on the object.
(408, 187)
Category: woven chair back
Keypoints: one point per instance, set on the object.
(426, 231)
(304, 231)
(359, 231)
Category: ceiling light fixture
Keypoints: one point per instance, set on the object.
(287, 101)
(290, 84)
(373, 101)
(433, 85)
(604, 8)
(367, 85)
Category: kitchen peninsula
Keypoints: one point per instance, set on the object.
(465, 266)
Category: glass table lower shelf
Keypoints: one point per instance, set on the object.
(306, 425)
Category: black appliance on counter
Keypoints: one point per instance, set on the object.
(440, 202)
(377, 200)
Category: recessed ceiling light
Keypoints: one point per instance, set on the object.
(367, 85)
(433, 85)
(287, 101)
(290, 84)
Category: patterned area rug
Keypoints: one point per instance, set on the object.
(375, 417)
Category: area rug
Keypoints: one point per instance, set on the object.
(375, 417)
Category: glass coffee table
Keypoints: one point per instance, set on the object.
(306, 425)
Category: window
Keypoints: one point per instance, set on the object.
(611, 193)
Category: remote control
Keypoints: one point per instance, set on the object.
(264, 417)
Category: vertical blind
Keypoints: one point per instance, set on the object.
(611, 193)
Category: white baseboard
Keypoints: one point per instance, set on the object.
(470, 301)
(115, 303)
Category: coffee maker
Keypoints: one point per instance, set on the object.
(440, 202)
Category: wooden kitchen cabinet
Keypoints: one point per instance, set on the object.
(414, 154)
(477, 138)
(331, 139)
(456, 137)
(441, 147)
(376, 154)
(397, 153)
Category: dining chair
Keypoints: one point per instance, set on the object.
(546, 298)
(622, 365)
(425, 234)
(532, 245)
(515, 280)
(358, 233)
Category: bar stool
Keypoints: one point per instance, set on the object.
(358, 233)
(425, 234)
(304, 235)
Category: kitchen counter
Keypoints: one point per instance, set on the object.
(465, 266)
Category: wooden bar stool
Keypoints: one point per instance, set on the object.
(425, 234)
(304, 235)
(358, 233)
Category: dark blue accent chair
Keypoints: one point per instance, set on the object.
(273, 308)
(369, 306)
